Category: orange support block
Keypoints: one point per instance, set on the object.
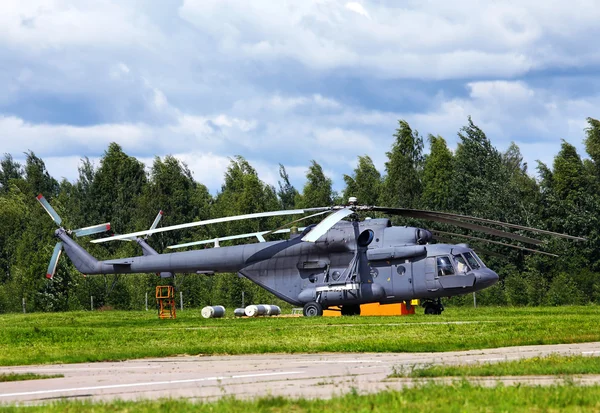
(376, 309)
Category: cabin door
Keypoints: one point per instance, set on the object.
(402, 279)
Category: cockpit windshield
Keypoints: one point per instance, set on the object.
(473, 262)
(479, 260)
(460, 264)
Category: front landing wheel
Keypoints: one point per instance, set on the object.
(312, 309)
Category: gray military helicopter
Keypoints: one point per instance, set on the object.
(336, 262)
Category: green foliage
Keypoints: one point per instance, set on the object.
(460, 396)
(317, 190)
(117, 335)
(438, 175)
(287, 193)
(592, 141)
(9, 169)
(117, 186)
(6, 377)
(563, 291)
(553, 364)
(477, 179)
(402, 183)
(365, 184)
(37, 176)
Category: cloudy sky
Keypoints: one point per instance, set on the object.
(290, 81)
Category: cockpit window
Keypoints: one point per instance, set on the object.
(444, 266)
(479, 260)
(472, 260)
(461, 264)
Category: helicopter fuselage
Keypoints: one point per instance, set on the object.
(353, 263)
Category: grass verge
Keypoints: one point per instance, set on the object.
(4, 377)
(117, 335)
(429, 397)
(553, 364)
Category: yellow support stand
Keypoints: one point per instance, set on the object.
(165, 298)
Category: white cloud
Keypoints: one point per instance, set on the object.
(357, 8)
(421, 39)
(289, 81)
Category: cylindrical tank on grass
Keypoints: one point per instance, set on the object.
(215, 311)
(262, 309)
(255, 310)
(274, 310)
(239, 312)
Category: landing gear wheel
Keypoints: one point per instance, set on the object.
(430, 309)
(350, 309)
(434, 308)
(312, 309)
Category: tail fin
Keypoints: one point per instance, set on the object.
(79, 256)
(83, 260)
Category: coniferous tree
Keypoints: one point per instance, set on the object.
(437, 175)
(402, 183)
(478, 177)
(9, 169)
(37, 176)
(317, 191)
(117, 185)
(365, 183)
(592, 142)
(287, 193)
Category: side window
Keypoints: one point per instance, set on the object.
(444, 266)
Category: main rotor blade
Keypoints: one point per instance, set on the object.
(94, 229)
(478, 250)
(483, 221)
(432, 216)
(212, 221)
(157, 220)
(492, 242)
(230, 237)
(324, 226)
(275, 231)
(54, 260)
(55, 217)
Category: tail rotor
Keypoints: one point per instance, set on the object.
(94, 229)
(54, 260)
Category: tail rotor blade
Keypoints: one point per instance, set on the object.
(54, 260)
(55, 217)
(94, 229)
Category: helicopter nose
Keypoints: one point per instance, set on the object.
(486, 278)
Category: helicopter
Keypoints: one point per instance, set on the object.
(340, 262)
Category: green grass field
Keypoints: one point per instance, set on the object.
(428, 397)
(117, 335)
(553, 364)
(26, 376)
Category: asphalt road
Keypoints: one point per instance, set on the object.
(297, 375)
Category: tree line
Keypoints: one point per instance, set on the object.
(476, 179)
